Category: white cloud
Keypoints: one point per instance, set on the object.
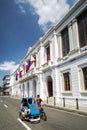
(21, 3)
(22, 9)
(9, 66)
(49, 11)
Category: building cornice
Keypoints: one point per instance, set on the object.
(70, 12)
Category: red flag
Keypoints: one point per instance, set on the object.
(26, 68)
(20, 74)
(31, 62)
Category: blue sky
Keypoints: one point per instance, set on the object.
(22, 23)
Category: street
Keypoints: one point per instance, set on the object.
(56, 119)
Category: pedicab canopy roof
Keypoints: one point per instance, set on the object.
(33, 106)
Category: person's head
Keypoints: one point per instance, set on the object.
(38, 96)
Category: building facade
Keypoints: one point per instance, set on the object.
(6, 85)
(56, 66)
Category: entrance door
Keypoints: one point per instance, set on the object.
(50, 87)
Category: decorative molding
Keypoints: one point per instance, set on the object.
(74, 51)
(47, 42)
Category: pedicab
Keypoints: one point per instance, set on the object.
(29, 110)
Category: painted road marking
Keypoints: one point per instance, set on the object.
(5, 106)
(26, 126)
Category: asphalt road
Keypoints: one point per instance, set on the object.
(56, 119)
(9, 115)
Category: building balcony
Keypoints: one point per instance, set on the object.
(32, 72)
(47, 65)
(6, 85)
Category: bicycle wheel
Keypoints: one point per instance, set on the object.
(43, 116)
(21, 117)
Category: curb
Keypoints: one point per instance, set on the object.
(68, 110)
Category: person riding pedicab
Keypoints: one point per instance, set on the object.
(39, 100)
(42, 112)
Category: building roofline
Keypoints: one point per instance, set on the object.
(69, 13)
(53, 28)
(5, 76)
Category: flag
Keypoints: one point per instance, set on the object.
(26, 67)
(16, 77)
(20, 74)
(31, 62)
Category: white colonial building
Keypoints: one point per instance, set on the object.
(56, 66)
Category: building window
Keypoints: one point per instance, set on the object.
(66, 81)
(48, 52)
(50, 86)
(82, 28)
(65, 42)
(34, 60)
(84, 70)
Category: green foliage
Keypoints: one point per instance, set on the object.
(1, 89)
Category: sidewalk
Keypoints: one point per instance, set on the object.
(81, 112)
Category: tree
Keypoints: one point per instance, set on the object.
(1, 89)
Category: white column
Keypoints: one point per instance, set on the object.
(41, 87)
(41, 53)
(59, 46)
(70, 37)
(38, 58)
(75, 34)
(26, 94)
(38, 85)
(23, 90)
(30, 88)
(55, 46)
(51, 51)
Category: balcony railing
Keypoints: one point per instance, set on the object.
(31, 73)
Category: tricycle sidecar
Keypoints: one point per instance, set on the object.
(29, 110)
